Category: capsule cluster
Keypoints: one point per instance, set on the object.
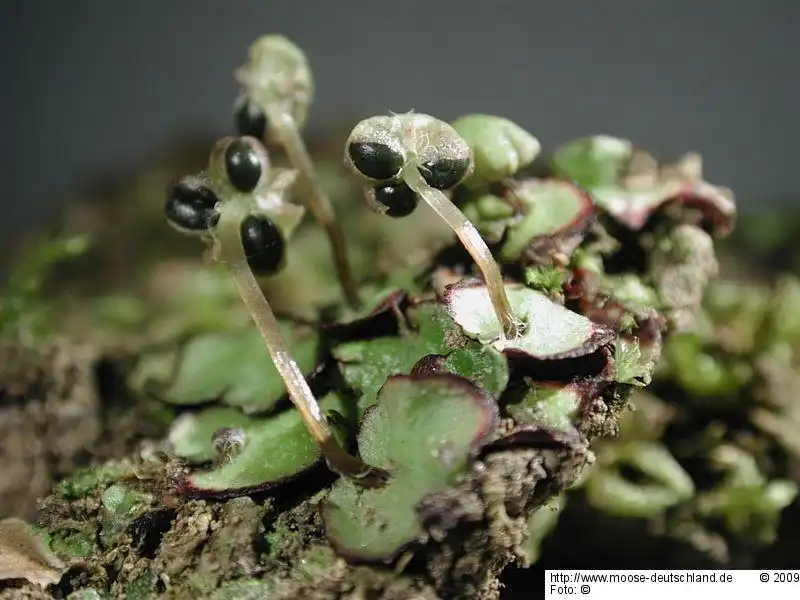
(275, 79)
(239, 168)
(380, 148)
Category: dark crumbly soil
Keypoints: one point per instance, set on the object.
(272, 546)
(61, 408)
(50, 418)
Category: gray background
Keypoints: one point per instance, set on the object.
(89, 85)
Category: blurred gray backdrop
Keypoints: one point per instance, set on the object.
(89, 84)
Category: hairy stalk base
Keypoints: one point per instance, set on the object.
(231, 252)
(474, 244)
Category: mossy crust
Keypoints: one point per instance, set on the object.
(114, 507)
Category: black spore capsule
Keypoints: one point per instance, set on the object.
(249, 117)
(397, 200)
(190, 205)
(376, 161)
(243, 165)
(445, 173)
(263, 244)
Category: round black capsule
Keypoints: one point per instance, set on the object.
(242, 165)
(250, 119)
(263, 245)
(191, 206)
(444, 173)
(399, 200)
(376, 161)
